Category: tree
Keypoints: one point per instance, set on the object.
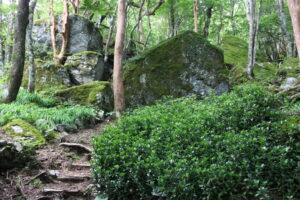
(1, 42)
(196, 16)
(294, 8)
(118, 87)
(31, 65)
(253, 20)
(59, 57)
(283, 24)
(18, 55)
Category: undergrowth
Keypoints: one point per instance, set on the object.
(32, 107)
(239, 145)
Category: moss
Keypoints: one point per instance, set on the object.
(83, 53)
(28, 131)
(290, 68)
(163, 64)
(46, 75)
(87, 94)
(236, 56)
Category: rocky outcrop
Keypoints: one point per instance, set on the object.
(99, 94)
(85, 67)
(183, 65)
(24, 133)
(85, 58)
(84, 36)
(14, 155)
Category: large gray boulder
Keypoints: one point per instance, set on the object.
(84, 36)
(84, 62)
(183, 65)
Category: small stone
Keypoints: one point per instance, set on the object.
(289, 82)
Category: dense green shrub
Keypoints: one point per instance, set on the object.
(235, 146)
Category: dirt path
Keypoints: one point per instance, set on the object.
(64, 173)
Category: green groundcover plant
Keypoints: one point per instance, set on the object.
(239, 145)
(32, 107)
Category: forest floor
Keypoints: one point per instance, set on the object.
(64, 171)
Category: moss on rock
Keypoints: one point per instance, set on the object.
(182, 65)
(97, 93)
(25, 132)
(236, 56)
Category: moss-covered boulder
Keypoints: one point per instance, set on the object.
(85, 67)
(97, 93)
(236, 58)
(24, 132)
(182, 65)
(48, 75)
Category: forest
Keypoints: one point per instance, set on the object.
(149, 99)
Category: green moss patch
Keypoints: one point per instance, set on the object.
(236, 56)
(25, 132)
(89, 94)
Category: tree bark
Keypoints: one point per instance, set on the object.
(1, 43)
(233, 24)
(196, 16)
(10, 33)
(118, 87)
(253, 19)
(18, 57)
(59, 57)
(172, 18)
(207, 22)
(31, 65)
(294, 8)
(283, 24)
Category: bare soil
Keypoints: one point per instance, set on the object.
(63, 173)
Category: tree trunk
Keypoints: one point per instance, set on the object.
(253, 19)
(118, 87)
(59, 57)
(294, 8)
(1, 43)
(10, 33)
(31, 65)
(221, 25)
(207, 22)
(16, 73)
(196, 16)
(172, 18)
(233, 24)
(283, 24)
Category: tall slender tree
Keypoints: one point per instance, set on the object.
(18, 55)
(253, 15)
(294, 8)
(284, 28)
(31, 65)
(1, 41)
(118, 87)
(196, 16)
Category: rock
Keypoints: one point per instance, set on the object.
(72, 128)
(84, 62)
(85, 67)
(97, 93)
(236, 58)
(183, 65)
(24, 133)
(14, 155)
(289, 82)
(84, 36)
